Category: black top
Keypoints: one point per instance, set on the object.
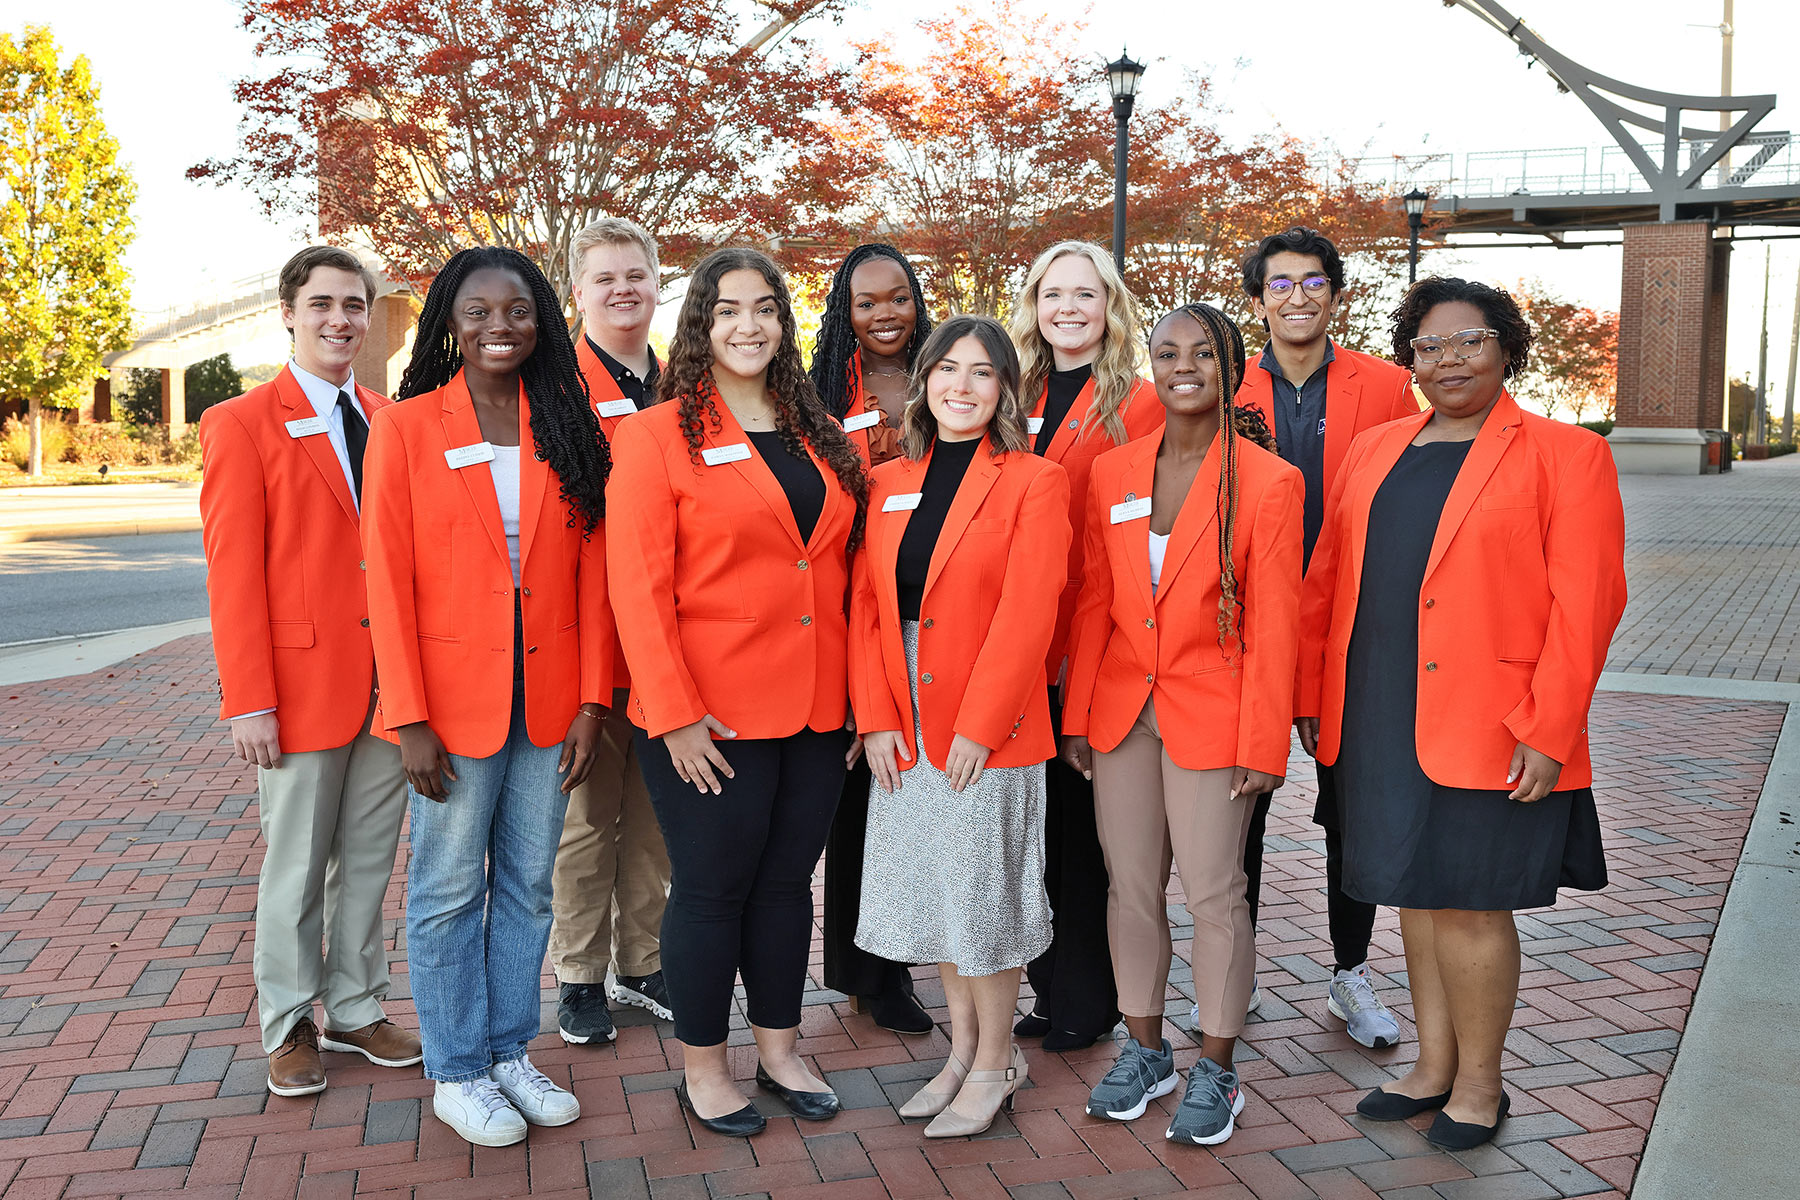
(639, 391)
(798, 477)
(1300, 435)
(943, 476)
(1064, 387)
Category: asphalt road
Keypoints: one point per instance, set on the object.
(58, 589)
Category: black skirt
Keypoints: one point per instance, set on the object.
(1409, 842)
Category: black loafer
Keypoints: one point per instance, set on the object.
(1058, 1040)
(1391, 1106)
(808, 1106)
(1464, 1135)
(1032, 1025)
(745, 1122)
(900, 1012)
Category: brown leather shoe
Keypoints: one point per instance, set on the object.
(383, 1043)
(294, 1069)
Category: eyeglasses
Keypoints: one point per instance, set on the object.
(1280, 289)
(1464, 343)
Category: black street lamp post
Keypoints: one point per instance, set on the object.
(1415, 202)
(1123, 75)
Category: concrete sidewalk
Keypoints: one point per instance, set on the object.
(37, 514)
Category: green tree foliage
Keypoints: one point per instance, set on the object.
(65, 220)
(210, 381)
(137, 395)
(137, 391)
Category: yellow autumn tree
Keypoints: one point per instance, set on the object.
(65, 220)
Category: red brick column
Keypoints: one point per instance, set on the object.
(1672, 305)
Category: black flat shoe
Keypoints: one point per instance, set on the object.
(1391, 1106)
(808, 1106)
(898, 1011)
(745, 1122)
(1464, 1135)
(1032, 1025)
(1059, 1040)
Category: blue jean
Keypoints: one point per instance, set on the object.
(478, 904)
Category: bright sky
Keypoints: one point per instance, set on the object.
(1369, 76)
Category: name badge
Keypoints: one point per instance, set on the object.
(904, 502)
(1034, 425)
(717, 455)
(307, 426)
(467, 456)
(615, 408)
(865, 420)
(1130, 510)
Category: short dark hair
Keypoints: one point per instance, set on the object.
(1298, 240)
(298, 269)
(1498, 309)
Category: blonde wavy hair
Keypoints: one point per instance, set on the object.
(1119, 366)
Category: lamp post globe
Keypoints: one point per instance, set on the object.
(1122, 75)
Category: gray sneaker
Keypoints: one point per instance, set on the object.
(1354, 1002)
(1212, 1099)
(1138, 1077)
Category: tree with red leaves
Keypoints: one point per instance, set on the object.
(429, 125)
(1574, 364)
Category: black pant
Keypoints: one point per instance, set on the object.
(1352, 922)
(848, 967)
(1073, 979)
(1253, 851)
(741, 864)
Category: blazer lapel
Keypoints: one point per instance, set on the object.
(318, 446)
(976, 483)
(1139, 481)
(756, 473)
(534, 477)
(1199, 512)
(886, 529)
(1496, 435)
(1341, 398)
(462, 429)
(1070, 429)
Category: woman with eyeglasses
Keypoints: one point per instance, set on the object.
(1454, 623)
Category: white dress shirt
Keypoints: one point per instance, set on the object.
(505, 468)
(1159, 548)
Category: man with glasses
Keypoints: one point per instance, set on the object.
(1317, 396)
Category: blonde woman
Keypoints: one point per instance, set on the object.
(1080, 353)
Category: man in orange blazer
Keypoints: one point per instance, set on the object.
(280, 506)
(612, 869)
(1317, 396)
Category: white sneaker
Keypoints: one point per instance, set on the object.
(1352, 1000)
(532, 1093)
(479, 1113)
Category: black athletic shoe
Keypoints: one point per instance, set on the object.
(645, 991)
(581, 1015)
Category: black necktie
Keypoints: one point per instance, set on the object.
(356, 437)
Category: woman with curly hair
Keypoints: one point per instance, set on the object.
(731, 560)
(1456, 618)
(1080, 351)
(869, 336)
(1180, 696)
(482, 534)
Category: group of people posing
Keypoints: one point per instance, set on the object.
(1002, 628)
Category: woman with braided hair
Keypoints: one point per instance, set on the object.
(1181, 684)
(731, 563)
(482, 503)
(869, 338)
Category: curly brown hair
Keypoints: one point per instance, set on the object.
(800, 416)
(1498, 309)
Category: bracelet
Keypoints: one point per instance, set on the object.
(593, 714)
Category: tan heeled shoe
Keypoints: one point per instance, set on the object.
(927, 1103)
(951, 1123)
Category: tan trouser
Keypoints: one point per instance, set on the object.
(330, 823)
(612, 870)
(1147, 810)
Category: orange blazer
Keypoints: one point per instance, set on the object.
(1215, 709)
(1523, 589)
(987, 616)
(441, 585)
(284, 579)
(722, 608)
(860, 420)
(1075, 449)
(604, 394)
(1361, 392)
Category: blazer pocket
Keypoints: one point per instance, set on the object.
(1500, 500)
(290, 635)
(439, 637)
(989, 525)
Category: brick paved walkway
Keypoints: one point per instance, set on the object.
(1714, 567)
(130, 1064)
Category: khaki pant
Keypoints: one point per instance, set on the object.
(330, 824)
(612, 870)
(1148, 811)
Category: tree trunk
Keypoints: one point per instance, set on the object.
(35, 418)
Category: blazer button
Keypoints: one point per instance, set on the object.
(806, 620)
(1431, 602)
(1149, 679)
(925, 678)
(802, 564)
(926, 623)
(1431, 666)
(527, 591)
(531, 649)
(362, 566)
(1149, 622)
(365, 622)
